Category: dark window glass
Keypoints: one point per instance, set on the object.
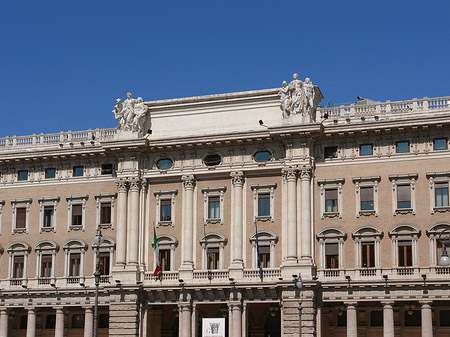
(212, 159)
(342, 318)
(50, 321)
(46, 266)
(18, 266)
(21, 217)
(365, 150)
(367, 255)
(366, 198)
(262, 156)
(331, 200)
(49, 212)
(213, 258)
(166, 210)
(164, 163)
(22, 175)
(330, 152)
(332, 255)
(103, 321)
(264, 256)
(105, 213)
(402, 147)
(23, 322)
(50, 173)
(403, 196)
(440, 143)
(74, 265)
(441, 194)
(78, 171)
(264, 204)
(444, 318)
(104, 259)
(214, 207)
(404, 253)
(164, 259)
(376, 318)
(413, 318)
(107, 169)
(77, 321)
(77, 215)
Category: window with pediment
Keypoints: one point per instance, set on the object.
(165, 208)
(331, 197)
(212, 250)
(213, 208)
(46, 261)
(74, 252)
(263, 201)
(76, 215)
(436, 246)
(106, 255)
(105, 215)
(405, 246)
(367, 240)
(267, 241)
(439, 188)
(21, 215)
(18, 260)
(366, 189)
(403, 193)
(48, 207)
(331, 248)
(167, 245)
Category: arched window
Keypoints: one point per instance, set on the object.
(212, 250)
(266, 242)
(331, 241)
(46, 261)
(74, 251)
(367, 240)
(405, 248)
(435, 245)
(166, 245)
(106, 255)
(18, 260)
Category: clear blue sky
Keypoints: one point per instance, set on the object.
(64, 62)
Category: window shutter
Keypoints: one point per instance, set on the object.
(21, 217)
(403, 193)
(76, 210)
(404, 243)
(441, 185)
(331, 194)
(331, 249)
(366, 193)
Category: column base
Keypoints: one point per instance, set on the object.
(125, 274)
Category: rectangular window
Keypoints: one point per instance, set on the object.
(264, 204)
(376, 318)
(405, 253)
(413, 317)
(77, 215)
(18, 264)
(50, 173)
(105, 213)
(46, 266)
(166, 210)
(107, 169)
(367, 255)
(78, 171)
(23, 322)
(214, 207)
(264, 256)
(366, 150)
(213, 258)
(21, 217)
(441, 190)
(444, 318)
(332, 255)
(22, 175)
(77, 321)
(331, 200)
(330, 152)
(104, 259)
(440, 144)
(74, 265)
(403, 196)
(366, 195)
(164, 259)
(402, 147)
(49, 212)
(50, 322)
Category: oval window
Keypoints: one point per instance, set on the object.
(212, 159)
(262, 156)
(164, 163)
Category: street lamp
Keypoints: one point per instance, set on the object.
(445, 259)
(98, 240)
(298, 283)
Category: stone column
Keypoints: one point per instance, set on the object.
(121, 236)
(237, 178)
(31, 322)
(88, 322)
(305, 177)
(184, 326)
(388, 320)
(352, 323)
(290, 174)
(59, 326)
(133, 247)
(188, 228)
(427, 319)
(3, 322)
(236, 314)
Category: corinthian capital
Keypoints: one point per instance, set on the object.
(188, 181)
(305, 172)
(135, 183)
(122, 184)
(289, 173)
(237, 178)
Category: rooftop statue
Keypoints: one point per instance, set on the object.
(130, 114)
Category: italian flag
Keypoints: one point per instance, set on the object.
(155, 245)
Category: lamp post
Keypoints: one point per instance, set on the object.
(444, 239)
(298, 283)
(98, 240)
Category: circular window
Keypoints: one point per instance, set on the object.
(262, 156)
(164, 163)
(212, 159)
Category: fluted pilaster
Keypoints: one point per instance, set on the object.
(122, 204)
(237, 179)
(188, 224)
(290, 175)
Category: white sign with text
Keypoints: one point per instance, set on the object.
(213, 327)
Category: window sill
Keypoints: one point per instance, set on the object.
(76, 228)
(20, 230)
(441, 209)
(263, 218)
(47, 229)
(404, 211)
(367, 212)
(165, 224)
(105, 225)
(331, 215)
(214, 221)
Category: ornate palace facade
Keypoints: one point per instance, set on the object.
(352, 200)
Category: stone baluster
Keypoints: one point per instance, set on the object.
(427, 319)
(305, 176)
(88, 322)
(184, 320)
(388, 320)
(188, 185)
(59, 325)
(237, 179)
(290, 175)
(133, 246)
(352, 323)
(31, 322)
(121, 236)
(3, 322)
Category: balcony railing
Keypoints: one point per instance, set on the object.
(267, 273)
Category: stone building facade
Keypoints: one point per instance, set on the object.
(352, 200)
